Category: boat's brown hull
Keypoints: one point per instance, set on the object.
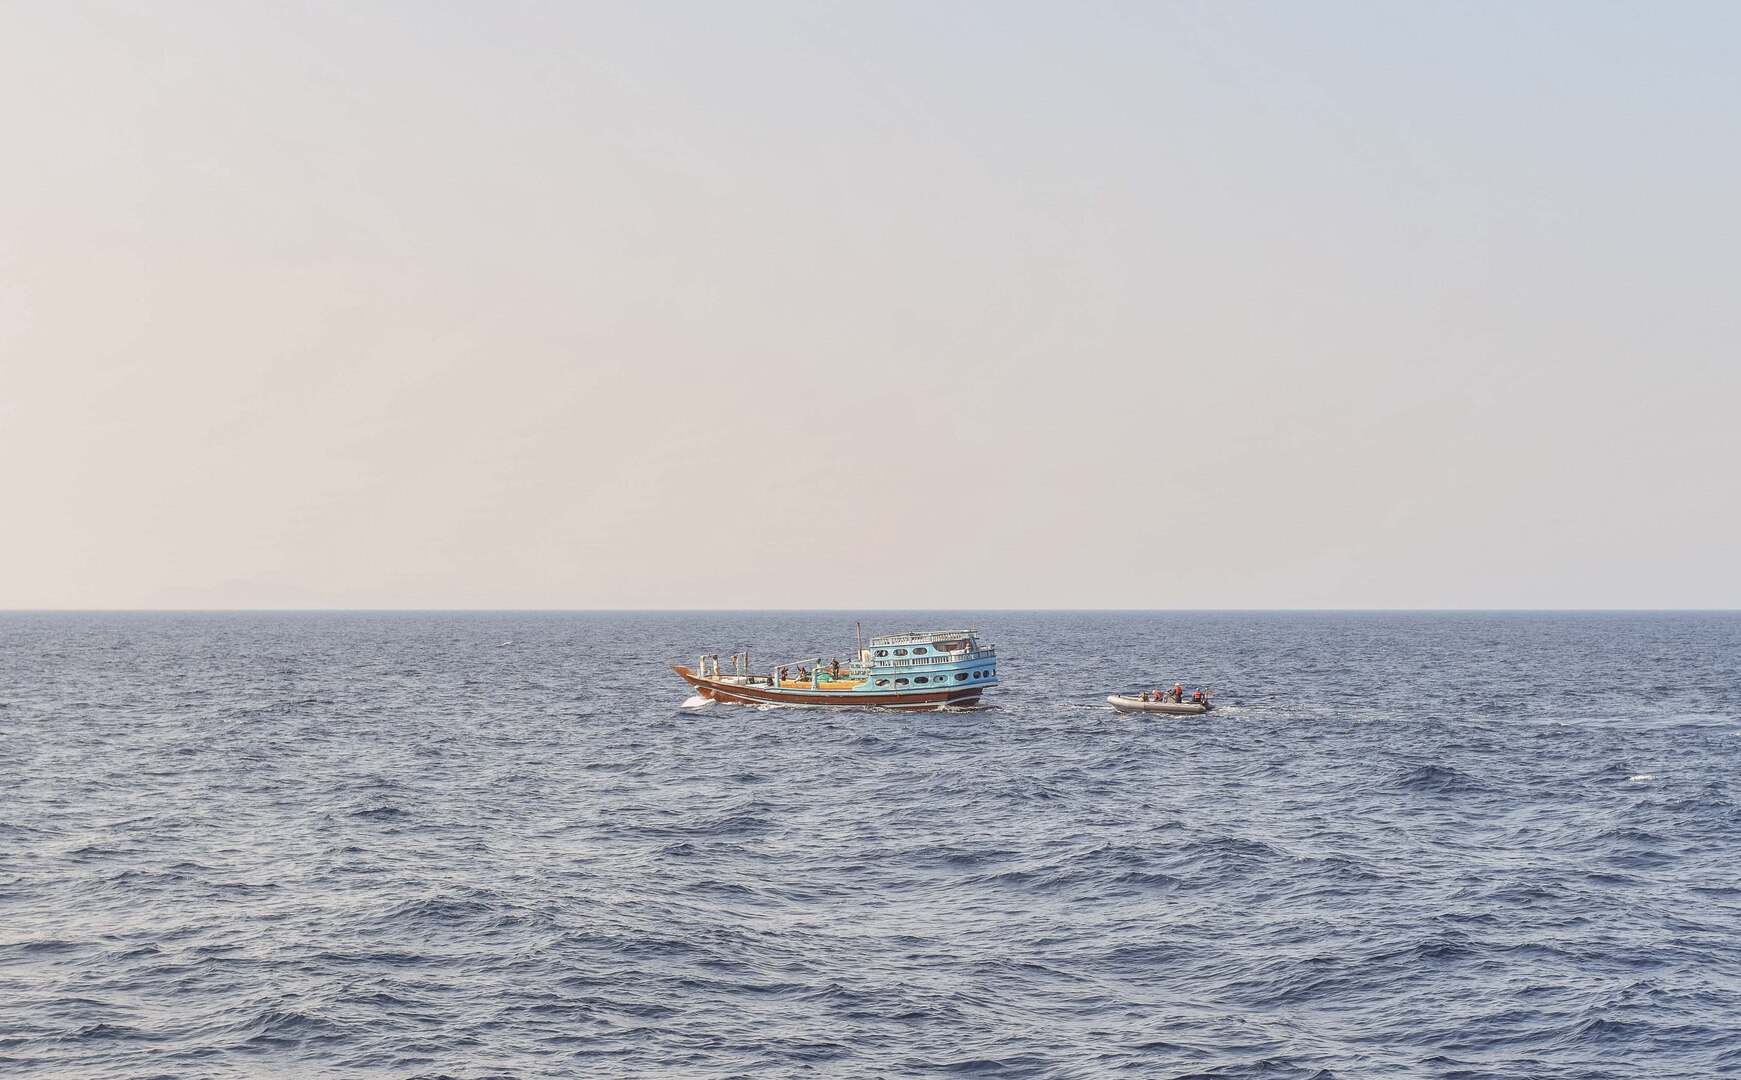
(738, 694)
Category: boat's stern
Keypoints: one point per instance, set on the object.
(952, 662)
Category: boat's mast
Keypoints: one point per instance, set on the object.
(859, 626)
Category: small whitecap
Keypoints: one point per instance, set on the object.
(1641, 778)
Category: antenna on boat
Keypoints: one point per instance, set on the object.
(859, 626)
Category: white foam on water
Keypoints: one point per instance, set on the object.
(697, 702)
(1640, 778)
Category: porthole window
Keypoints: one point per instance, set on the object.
(882, 652)
(882, 682)
(900, 652)
(900, 682)
(920, 651)
(920, 678)
(961, 676)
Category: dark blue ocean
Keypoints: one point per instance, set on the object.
(495, 845)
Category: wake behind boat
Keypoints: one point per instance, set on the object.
(916, 670)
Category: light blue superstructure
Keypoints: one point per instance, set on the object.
(932, 660)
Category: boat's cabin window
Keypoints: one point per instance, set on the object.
(882, 682)
(920, 678)
(900, 682)
(900, 652)
(920, 651)
(961, 676)
(951, 646)
(882, 652)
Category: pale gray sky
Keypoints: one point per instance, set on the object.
(932, 305)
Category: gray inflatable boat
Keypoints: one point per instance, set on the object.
(1133, 703)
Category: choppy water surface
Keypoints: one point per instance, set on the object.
(484, 845)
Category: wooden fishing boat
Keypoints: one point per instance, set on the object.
(918, 670)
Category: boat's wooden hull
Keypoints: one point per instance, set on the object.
(1166, 708)
(762, 694)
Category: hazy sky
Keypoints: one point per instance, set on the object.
(874, 305)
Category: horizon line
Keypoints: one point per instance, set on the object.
(862, 611)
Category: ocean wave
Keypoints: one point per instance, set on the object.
(1436, 780)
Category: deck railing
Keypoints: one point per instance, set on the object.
(986, 652)
(921, 637)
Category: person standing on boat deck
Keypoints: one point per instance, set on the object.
(1178, 692)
